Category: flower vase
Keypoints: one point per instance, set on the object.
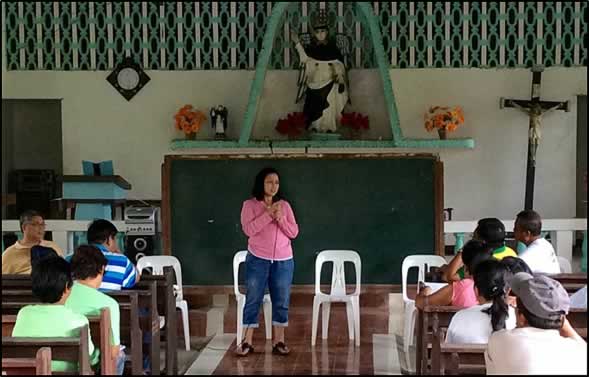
(190, 136)
(442, 133)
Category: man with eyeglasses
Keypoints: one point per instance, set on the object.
(17, 258)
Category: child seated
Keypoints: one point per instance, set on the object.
(88, 264)
(51, 284)
(477, 323)
(458, 293)
(544, 342)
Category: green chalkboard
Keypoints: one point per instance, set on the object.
(384, 207)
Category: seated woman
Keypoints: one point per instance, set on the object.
(458, 293)
(477, 323)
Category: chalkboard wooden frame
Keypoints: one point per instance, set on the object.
(438, 184)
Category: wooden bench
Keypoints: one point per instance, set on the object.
(147, 298)
(13, 300)
(166, 305)
(430, 319)
(144, 295)
(99, 331)
(74, 349)
(466, 359)
(433, 321)
(39, 366)
(573, 278)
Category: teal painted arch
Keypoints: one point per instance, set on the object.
(372, 23)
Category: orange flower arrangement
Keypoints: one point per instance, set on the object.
(443, 118)
(189, 120)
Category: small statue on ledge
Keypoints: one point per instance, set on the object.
(219, 120)
(323, 80)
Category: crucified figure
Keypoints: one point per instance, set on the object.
(535, 111)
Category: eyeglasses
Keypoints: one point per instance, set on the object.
(43, 225)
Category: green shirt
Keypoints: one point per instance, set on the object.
(88, 301)
(40, 321)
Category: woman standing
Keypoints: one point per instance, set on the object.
(269, 223)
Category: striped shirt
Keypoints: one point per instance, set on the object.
(119, 272)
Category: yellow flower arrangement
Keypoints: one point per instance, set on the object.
(443, 118)
(189, 120)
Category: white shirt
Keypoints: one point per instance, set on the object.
(540, 257)
(472, 325)
(529, 350)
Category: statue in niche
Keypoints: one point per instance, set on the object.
(323, 80)
(219, 120)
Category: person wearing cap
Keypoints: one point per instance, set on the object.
(489, 230)
(539, 254)
(544, 342)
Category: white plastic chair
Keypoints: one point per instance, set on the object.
(157, 264)
(338, 293)
(565, 265)
(419, 261)
(240, 298)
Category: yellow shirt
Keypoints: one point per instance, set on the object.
(17, 258)
(503, 251)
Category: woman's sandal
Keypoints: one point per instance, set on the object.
(280, 349)
(244, 349)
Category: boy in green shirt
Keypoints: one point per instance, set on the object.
(88, 264)
(51, 284)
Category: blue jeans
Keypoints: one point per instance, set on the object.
(277, 276)
(121, 361)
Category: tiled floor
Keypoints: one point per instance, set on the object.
(378, 352)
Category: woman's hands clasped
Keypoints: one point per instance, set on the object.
(275, 211)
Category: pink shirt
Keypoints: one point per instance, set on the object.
(267, 238)
(463, 293)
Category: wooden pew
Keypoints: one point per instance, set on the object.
(39, 366)
(430, 319)
(573, 278)
(99, 331)
(13, 300)
(166, 306)
(147, 298)
(144, 295)
(434, 320)
(73, 349)
(468, 359)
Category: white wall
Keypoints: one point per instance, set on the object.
(100, 124)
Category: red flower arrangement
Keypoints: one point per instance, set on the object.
(355, 121)
(294, 125)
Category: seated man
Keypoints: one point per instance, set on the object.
(88, 265)
(17, 258)
(492, 232)
(119, 272)
(51, 284)
(543, 342)
(539, 254)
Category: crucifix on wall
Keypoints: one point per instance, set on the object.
(535, 109)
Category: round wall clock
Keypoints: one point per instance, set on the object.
(128, 78)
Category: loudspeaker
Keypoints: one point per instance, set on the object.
(138, 246)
